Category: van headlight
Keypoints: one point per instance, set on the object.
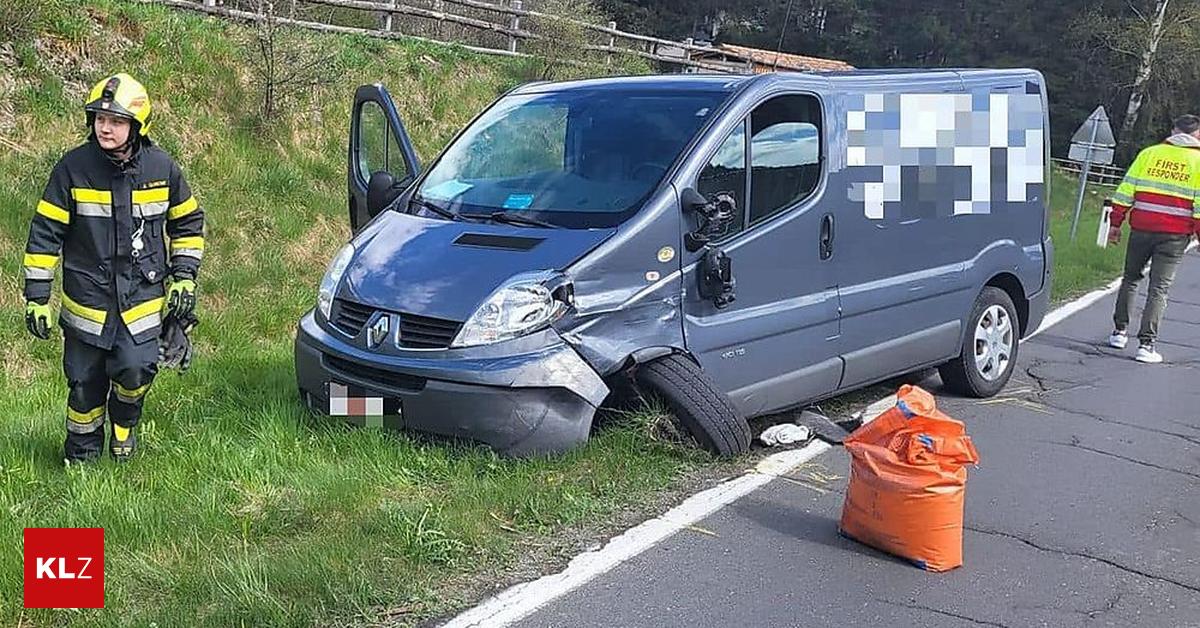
(513, 310)
(333, 276)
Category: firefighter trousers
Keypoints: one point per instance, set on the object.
(104, 383)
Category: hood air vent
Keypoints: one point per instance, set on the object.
(492, 241)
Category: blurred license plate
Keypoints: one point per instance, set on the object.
(351, 400)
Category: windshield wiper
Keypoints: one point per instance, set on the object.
(514, 218)
(435, 208)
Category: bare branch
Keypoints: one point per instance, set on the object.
(1118, 49)
(1137, 12)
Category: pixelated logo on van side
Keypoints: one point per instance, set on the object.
(940, 155)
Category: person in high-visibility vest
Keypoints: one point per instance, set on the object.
(120, 217)
(1161, 195)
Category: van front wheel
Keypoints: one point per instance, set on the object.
(989, 349)
(703, 410)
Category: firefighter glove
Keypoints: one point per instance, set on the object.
(181, 297)
(37, 319)
(174, 344)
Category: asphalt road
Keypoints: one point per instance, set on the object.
(1085, 510)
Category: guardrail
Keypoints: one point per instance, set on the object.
(1098, 174)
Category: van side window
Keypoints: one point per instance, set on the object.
(378, 145)
(726, 173)
(373, 139)
(785, 154)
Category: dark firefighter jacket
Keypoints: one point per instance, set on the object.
(90, 216)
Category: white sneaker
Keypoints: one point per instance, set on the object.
(1147, 355)
(1118, 340)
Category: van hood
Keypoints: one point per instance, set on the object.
(445, 269)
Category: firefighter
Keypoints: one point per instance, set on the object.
(1161, 195)
(120, 217)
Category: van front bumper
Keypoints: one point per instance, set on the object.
(532, 402)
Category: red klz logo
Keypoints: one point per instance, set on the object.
(64, 567)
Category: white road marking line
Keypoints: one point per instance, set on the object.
(519, 601)
(1074, 307)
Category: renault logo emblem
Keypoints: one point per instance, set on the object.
(378, 331)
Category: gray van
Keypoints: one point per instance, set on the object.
(737, 246)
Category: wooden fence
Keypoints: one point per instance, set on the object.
(477, 25)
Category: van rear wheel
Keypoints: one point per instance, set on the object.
(703, 410)
(989, 349)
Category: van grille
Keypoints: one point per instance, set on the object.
(416, 332)
(377, 376)
(424, 332)
(350, 317)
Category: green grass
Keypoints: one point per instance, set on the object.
(242, 508)
(1079, 266)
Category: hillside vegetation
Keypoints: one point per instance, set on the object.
(243, 509)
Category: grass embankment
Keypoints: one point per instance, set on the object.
(242, 510)
(1080, 266)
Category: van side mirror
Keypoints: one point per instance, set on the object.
(691, 200)
(713, 216)
(382, 189)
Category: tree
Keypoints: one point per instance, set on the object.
(1149, 51)
(1135, 57)
(1154, 37)
(674, 19)
(560, 43)
(287, 67)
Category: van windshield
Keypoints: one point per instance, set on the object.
(577, 158)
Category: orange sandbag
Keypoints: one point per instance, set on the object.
(908, 482)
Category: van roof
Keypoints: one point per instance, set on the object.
(928, 72)
(731, 82)
(683, 82)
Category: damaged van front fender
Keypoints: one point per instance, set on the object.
(643, 327)
(628, 292)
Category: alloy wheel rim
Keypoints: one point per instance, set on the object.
(993, 343)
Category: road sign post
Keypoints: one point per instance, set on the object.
(1083, 174)
(1097, 148)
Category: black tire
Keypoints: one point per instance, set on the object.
(961, 374)
(705, 412)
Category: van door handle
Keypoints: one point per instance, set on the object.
(827, 236)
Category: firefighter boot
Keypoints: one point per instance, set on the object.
(85, 447)
(122, 442)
